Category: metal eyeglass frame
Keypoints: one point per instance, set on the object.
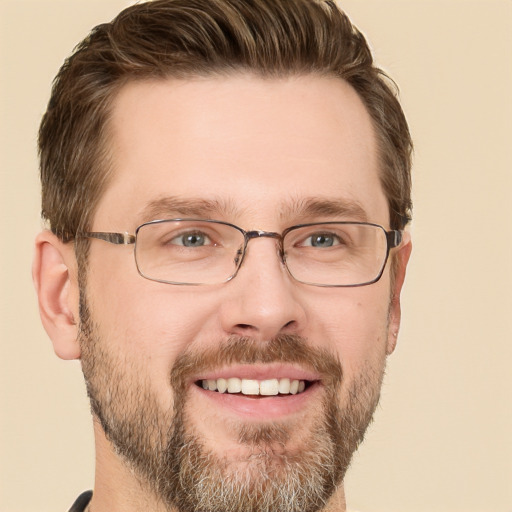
(394, 238)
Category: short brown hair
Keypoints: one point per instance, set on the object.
(188, 38)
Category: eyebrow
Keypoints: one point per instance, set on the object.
(333, 208)
(176, 207)
(300, 210)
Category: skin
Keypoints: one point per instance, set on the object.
(261, 146)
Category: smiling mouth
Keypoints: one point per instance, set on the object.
(251, 387)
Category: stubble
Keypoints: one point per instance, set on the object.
(168, 455)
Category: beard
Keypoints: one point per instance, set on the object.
(168, 455)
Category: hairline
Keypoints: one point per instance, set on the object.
(104, 157)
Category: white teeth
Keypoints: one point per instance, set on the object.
(284, 386)
(222, 385)
(250, 387)
(234, 385)
(270, 387)
(294, 387)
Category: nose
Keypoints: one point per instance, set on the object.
(263, 300)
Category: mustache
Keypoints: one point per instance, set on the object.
(285, 348)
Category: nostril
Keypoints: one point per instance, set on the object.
(245, 327)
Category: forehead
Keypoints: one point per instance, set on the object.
(259, 148)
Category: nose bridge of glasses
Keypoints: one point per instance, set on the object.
(260, 234)
(250, 235)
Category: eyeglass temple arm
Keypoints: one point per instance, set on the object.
(394, 238)
(113, 238)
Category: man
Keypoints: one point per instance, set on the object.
(226, 184)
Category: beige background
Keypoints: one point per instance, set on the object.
(442, 437)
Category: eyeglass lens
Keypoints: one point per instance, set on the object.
(210, 252)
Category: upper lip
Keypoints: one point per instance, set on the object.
(260, 372)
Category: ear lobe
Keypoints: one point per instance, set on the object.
(402, 256)
(55, 278)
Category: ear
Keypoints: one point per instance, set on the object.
(402, 258)
(54, 272)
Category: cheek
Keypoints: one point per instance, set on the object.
(354, 323)
(147, 323)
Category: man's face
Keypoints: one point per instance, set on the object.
(264, 154)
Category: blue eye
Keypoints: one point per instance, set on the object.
(321, 240)
(191, 240)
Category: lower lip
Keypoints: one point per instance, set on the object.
(258, 407)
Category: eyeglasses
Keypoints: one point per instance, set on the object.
(203, 251)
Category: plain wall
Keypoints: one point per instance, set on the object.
(441, 440)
